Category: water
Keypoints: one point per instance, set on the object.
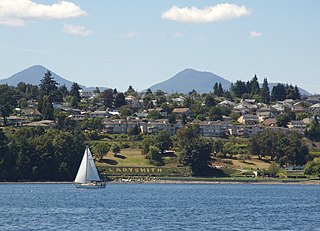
(159, 207)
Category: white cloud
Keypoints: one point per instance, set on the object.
(219, 12)
(76, 30)
(17, 12)
(254, 34)
(132, 34)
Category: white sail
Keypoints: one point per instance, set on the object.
(87, 171)
(92, 173)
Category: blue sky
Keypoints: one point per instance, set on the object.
(143, 42)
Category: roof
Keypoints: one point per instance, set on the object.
(180, 110)
(269, 122)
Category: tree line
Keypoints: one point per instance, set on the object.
(35, 154)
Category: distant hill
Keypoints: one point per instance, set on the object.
(189, 79)
(201, 81)
(33, 75)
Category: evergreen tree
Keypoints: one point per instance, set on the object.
(119, 100)
(210, 101)
(48, 87)
(74, 92)
(107, 98)
(278, 92)
(7, 101)
(265, 92)
(239, 88)
(47, 108)
(254, 86)
(220, 90)
(216, 89)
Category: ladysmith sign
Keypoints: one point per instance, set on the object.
(134, 170)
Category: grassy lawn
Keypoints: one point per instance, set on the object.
(127, 157)
(254, 164)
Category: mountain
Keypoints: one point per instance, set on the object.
(33, 75)
(189, 79)
(203, 82)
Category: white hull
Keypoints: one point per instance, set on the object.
(91, 186)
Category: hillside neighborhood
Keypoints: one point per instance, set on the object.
(206, 132)
(253, 117)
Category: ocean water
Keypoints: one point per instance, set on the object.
(160, 207)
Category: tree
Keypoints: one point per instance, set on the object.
(119, 100)
(107, 98)
(7, 160)
(313, 132)
(278, 92)
(210, 101)
(125, 111)
(273, 169)
(284, 147)
(313, 167)
(7, 101)
(48, 87)
(154, 114)
(283, 119)
(254, 86)
(101, 149)
(239, 88)
(74, 92)
(47, 108)
(115, 149)
(215, 114)
(187, 135)
(265, 92)
(131, 91)
(134, 131)
(164, 141)
(197, 155)
(216, 89)
(154, 156)
(146, 143)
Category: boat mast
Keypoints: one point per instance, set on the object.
(87, 162)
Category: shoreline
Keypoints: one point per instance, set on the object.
(167, 181)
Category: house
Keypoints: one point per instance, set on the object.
(246, 130)
(248, 119)
(270, 122)
(161, 111)
(16, 120)
(31, 113)
(133, 102)
(214, 128)
(263, 115)
(96, 114)
(155, 126)
(182, 111)
(119, 126)
(298, 124)
(315, 108)
(178, 101)
(41, 123)
(87, 93)
(227, 103)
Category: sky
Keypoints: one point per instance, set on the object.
(141, 42)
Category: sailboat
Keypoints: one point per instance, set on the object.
(88, 176)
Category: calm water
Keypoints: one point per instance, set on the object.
(159, 207)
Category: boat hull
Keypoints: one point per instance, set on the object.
(91, 186)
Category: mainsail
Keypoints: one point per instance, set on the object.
(87, 171)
